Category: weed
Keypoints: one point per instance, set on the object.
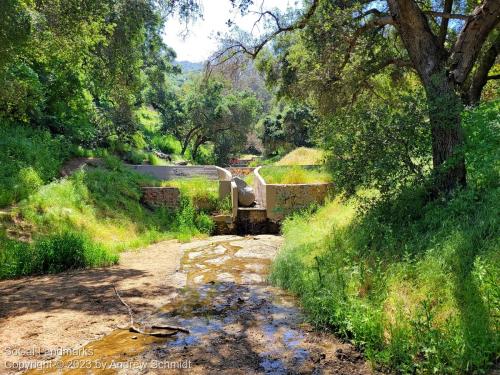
(293, 175)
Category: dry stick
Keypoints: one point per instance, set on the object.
(177, 328)
(134, 329)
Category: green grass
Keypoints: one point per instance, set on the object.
(249, 179)
(415, 284)
(293, 175)
(103, 205)
(302, 156)
(203, 192)
(51, 254)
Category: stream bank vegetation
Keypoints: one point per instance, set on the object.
(412, 282)
(274, 174)
(404, 100)
(88, 218)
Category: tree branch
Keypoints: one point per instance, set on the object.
(480, 77)
(443, 28)
(471, 39)
(447, 15)
(236, 47)
(496, 76)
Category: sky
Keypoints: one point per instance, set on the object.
(200, 41)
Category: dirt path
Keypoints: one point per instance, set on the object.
(67, 310)
(216, 288)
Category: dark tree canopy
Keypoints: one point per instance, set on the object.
(330, 51)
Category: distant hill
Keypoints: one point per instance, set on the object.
(188, 66)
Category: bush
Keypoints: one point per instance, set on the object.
(167, 144)
(380, 144)
(29, 158)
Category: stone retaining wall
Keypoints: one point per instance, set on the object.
(161, 196)
(240, 171)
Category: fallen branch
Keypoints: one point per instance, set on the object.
(133, 328)
(176, 328)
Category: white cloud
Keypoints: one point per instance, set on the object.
(200, 42)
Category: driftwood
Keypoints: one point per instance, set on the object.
(135, 329)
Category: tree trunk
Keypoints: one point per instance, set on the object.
(448, 156)
(480, 77)
(197, 145)
(188, 139)
(429, 59)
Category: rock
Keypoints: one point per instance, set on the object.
(246, 196)
(163, 156)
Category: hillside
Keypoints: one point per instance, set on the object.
(302, 156)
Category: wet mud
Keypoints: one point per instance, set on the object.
(238, 323)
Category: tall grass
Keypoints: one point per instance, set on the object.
(51, 254)
(302, 156)
(416, 284)
(293, 175)
(104, 206)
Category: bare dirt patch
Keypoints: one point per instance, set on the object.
(40, 314)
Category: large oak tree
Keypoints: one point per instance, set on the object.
(443, 43)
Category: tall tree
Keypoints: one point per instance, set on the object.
(442, 53)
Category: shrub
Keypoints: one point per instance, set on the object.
(29, 158)
(381, 144)
(136, 156)
(167, 144)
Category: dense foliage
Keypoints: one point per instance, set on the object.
(293, 126)
(86, 219)
(413, 283)
(29, 159)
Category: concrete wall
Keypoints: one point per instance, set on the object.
(225, 178)
(234, 200)
(259, 187)
(281, 200)
(172, 172)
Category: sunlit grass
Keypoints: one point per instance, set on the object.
(413, 282)
(293, 175)
(302, 156)
(100, 209)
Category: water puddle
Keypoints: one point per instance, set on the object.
(237, 323)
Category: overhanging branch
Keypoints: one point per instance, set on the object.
(447, 15)
(236, 47)
(483, 20)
